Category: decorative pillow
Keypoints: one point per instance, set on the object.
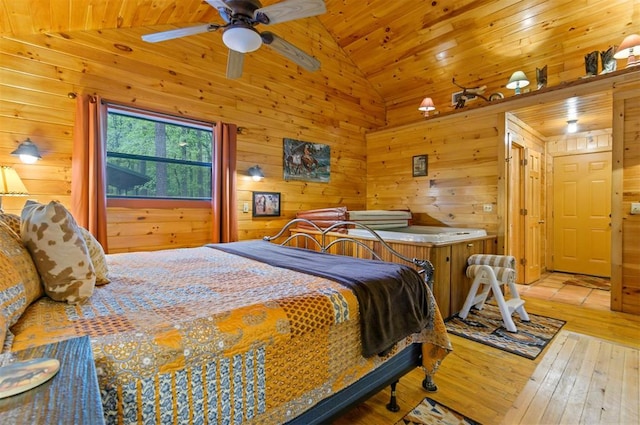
(16, 259)
(59, 251)
(97, 257)
(11, 220)
(13, 300)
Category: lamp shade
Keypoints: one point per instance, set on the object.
(10, 182)
(518, 80)
(243, 39)
(27, 152)
(629, 49)
(427, 105)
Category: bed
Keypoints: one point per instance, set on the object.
(245, 332)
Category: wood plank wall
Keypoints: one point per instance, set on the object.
(626, 174)
(464, 174)
(273, 100)
(462, 171)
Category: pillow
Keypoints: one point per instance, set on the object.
(95, 249)
(11, 220)
(59, 251)
(13, 273)
(97, 257)
(17, 259)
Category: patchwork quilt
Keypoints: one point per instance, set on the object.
(199, 335)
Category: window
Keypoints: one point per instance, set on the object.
(157, 156)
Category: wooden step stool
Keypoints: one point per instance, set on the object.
(489, 272)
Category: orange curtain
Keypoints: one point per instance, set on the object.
(223, 198)
(88, 172)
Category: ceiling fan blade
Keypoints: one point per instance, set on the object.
(224, 10)
(289, 10)
(290, 51)
(181, 32)
(235, 63)
(218, 4)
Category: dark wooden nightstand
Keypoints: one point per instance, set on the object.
(70, 397)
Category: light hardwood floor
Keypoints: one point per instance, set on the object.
(581, 380)
(484, 382)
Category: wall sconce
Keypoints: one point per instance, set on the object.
(629, 49)
(256, 173)
(426, 106)
(10, 183)
(572, 126)
(517, 81)
(28, 152)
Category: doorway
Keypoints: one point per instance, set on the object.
(582, 214)
(525, 212)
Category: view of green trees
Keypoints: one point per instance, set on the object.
(155, 159)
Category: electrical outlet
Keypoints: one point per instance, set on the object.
(245, 207)
(488, 207)
(635, 208)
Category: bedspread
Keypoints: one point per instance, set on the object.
(198, 335)
(391, 297)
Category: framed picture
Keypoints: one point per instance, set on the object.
(306, 161)
(266, 204)
(420, 163)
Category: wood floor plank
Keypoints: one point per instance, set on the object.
(586, 382)
(613, 390)
(559, 398)
(578, 396)
(595, 398)
(547, 386)
(630, 410)
(485, 383)
(522, 403)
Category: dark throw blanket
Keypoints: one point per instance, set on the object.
(392, 297)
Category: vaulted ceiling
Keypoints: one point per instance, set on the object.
(406, 49)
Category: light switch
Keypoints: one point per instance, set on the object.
(245, 207)
(635, 208)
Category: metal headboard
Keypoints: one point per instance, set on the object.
(425, 267)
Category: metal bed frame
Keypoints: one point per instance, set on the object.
(390, 372)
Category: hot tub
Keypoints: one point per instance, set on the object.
(433, 234)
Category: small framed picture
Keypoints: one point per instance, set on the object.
(420, 164)
(266, 204)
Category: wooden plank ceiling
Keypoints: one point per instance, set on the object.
(407, 49)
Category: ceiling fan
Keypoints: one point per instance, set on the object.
(239, 33)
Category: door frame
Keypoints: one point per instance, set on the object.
(516, 234)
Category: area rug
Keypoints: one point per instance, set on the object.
(485, 326)
(430, 412)
(592, 282)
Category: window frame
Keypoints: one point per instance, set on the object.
(160, 203)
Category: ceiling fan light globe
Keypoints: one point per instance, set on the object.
(241, 39)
